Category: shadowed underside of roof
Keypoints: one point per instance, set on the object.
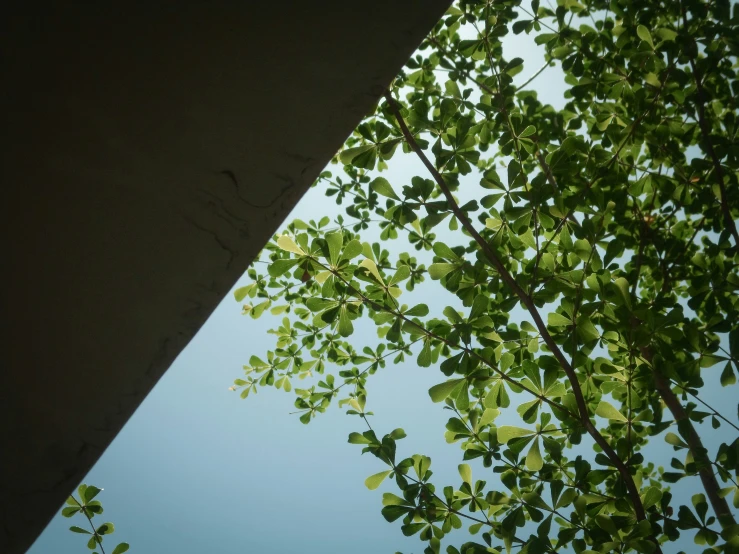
(150, 153)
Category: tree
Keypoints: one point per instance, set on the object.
(589, 259)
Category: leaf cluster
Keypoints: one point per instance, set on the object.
(582, 263)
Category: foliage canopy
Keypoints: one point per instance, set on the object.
(588, 257)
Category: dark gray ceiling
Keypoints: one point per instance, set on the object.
(149, 153)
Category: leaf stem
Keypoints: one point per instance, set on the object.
(95, 534)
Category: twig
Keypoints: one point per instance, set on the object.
(534, 76)
(713, 410)
(94, 531)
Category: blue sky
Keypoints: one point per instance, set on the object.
(197, 470)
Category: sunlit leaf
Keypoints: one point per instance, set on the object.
(374, 481)
(506, 433)
(608, 411)
(443, 390)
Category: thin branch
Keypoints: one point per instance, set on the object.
(705, 471)
(534, 76)
(528, 302)
(708, 406)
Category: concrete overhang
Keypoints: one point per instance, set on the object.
(150, 152)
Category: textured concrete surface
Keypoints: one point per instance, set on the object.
(149, 152)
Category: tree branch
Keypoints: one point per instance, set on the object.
(528, 302)
(705, 471)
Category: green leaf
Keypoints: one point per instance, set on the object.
(727, 376)
(709, 360)
(382, 186)
(651, 497)
(76, 529)
(506, 433)
(121, 548)
(608, 411)
(567, 498)
(348, 155)
(424, 357)
(686, 519)
(392, 513)
(443, 251)
(258, 310)
(105, 529)
(674, 440)
(527, 132)
(543, 38)
(666, 34)
(334, 242)
(602, 121)
(557, 320)
(452, 89)
(479, 307)
(389, 499)
(528, 410)
(419, 310)
(586, 329)
(643, 33)
(534, 460)
(421, 465)
(397, 434)
(653, 80)
(288, 244)
(565, 240)
(242, 292)
(280, 267)
(514, 169)
(374, 481)
(443, 390)
(352, 250)
(411, 529)
(437, 271)
(623, 288)
(453, 315)
(357, 438)
(371, 266)
(90, 493)
(465, 471)
(497, 396)
(582, 249)
(345, 327)
(487, 417)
